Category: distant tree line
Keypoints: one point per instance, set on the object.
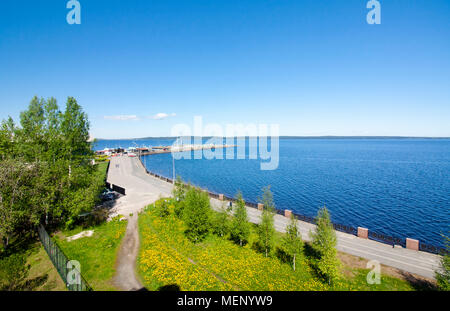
(46, 174)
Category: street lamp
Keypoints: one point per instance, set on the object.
(173, 170)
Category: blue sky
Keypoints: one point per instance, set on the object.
(314, 67)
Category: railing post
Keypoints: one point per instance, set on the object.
(363, 233)
(412, 244)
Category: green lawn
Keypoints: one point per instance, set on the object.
(167, 259)
(42, 272)
(96, 254)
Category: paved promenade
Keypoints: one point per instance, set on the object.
(143, 189)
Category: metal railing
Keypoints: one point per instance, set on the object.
(60, 261)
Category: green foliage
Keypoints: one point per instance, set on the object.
(292, 241)
(240, 227)
(20, 205)
(179, 189)
(46, 167)
(324, 242)
(443, 276)
(162, 207)
(266, 230)
(179, 208)
(179, 194)
(221, 222)
(197, 214)
(267, 199)
(13, 272)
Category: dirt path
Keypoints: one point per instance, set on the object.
(125, 277)
(129, 174)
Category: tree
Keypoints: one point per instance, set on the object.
(443, 276)
(324, 242)
(293, 243)
(19, 200)
(221, 221)
(7, 133)
(31, 134)
(179, 190)
(49, 166)
(266, 230)
(197, 214)
(240, 227)
(179, 194)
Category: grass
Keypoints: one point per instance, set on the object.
(96, 254)
(42, 275)
(101, 171)
(42, 272)
(167, 259)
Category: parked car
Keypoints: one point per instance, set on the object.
(108, 195)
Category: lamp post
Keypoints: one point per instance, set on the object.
(173, 170)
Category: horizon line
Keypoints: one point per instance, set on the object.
(289, 137)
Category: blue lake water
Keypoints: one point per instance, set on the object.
(398, 187)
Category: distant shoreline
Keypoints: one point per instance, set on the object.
(287, 137)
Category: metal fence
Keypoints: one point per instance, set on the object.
(60, 262)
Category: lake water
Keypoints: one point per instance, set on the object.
(398, 187)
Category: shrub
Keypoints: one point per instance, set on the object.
(162, 207)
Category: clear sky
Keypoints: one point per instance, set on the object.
(314, 67)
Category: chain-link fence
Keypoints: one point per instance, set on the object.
(68, 270)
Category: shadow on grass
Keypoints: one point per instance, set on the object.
(32, 284)
(312, 256)
(418, 283)
(20, 244)
(283, 256)
(169, 288)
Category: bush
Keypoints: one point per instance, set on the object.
(179, 208)
(162, 207)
